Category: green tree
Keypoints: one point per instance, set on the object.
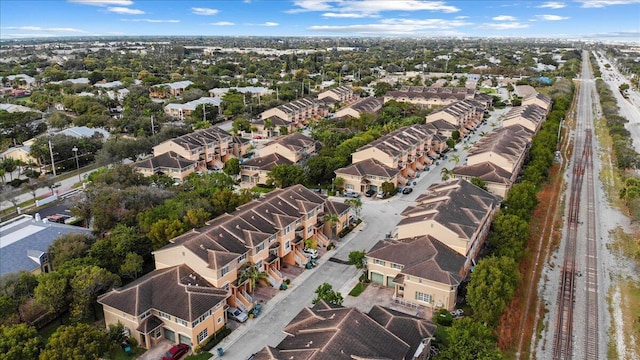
(358, 258)
(68, 247)
(470, 340)
(18, 342)
(339, 183)
(509, 234)
(249, 271)
(76, 342)
(283, 176)
(52, 291)
(164, 230)
(356, 203)
(521, 200)
(325, 292)
(232, 167)
(388, 188)
(455, 158)
(493, 283)
(446, 174)
(131, 266)
(86, 285)
(455, 135)
(479, 183)
(332, 219)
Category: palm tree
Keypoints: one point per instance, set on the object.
(455, 158)
(268, 125)
(446, 174)
(356, 203)
(332, 219)
(338, 183)
(250, 271)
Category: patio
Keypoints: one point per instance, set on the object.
(375, 294)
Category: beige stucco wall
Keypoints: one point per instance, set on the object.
(492, 157)
(373, 153)
(169, 145)
(280, 150)
(520, 121)
(435, 229)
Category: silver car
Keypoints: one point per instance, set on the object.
(237, 314)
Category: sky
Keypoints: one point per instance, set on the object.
(617, 20)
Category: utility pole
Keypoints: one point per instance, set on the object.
(153, 128)
(53, 164)
(204, 112)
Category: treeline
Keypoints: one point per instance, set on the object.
(626, 157)
(496, 277)
(131, 215)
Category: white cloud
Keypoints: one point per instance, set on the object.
(38, 28)
(152, 20)
(124, 10)
(222, 23)
(398, 27)
(552, 5)
(504, 18)
(505, 25)
(603, 3)
(348, 15)
(103, 2)
(551, 17)
(269, 23)
(461, 17)
(204, 11)
(371, 7)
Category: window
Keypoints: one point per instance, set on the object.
(156, 334)
(259, 248)
(424, 297)
(310, 230)
(379, 262)
(203, 335)
(145, 315)
(224, 270)
(164, 315)
(242, 258)
(219, 320)
(273, 238)
(287, 245)
(259, 265)
(396, 266)
(201, 318)
(226, 286)
(181, 322)
(287, 229)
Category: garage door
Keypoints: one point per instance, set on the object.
(185, 339)
(170, 335)
(390, 282)
(377, 278)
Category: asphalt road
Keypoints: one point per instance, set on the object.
(379, 217)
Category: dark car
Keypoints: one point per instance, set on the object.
(370, 193)
(407, 190)
(176, 352)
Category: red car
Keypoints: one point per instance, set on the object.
(176, 352)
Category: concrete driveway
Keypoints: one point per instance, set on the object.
(158, 351)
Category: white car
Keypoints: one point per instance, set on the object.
(310, 253)
(380, 195)
(237, 314)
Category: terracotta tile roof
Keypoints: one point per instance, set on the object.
(509, 144)
(190, 295)
(485, 171)
(295, 141)
(168, 160)
(202, 137)
(265, 163)
(327, 332)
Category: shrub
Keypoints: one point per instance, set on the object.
(213, 340)
(443, 317)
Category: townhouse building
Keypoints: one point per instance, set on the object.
(422, 270)
(339, 95)
(368, 174)
(295, 147)
(464, 115)
(368, 105)
(291, 115)
(209, 147)
(406, 149)
(430, 96)
(529, 116)
(456, 213)
(173, 303)
(183, 111)
(169, 163)
(267, 232)
(327, 331)
(255, 171)
(539, 99)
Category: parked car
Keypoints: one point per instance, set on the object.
(407, 190)
(176, 352)
(457, 313)
(370, 193)
(351, 194)
(237, 314)
(380, 195)
(310, 253)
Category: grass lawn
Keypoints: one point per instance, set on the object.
(202, 356)
(358, 289)
(135, 352)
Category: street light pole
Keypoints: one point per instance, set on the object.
(75, 151)
(53, 162)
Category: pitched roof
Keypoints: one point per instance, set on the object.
(333, 332)
(190, 294)
(414, 92)
(485, 171)
(368, 167)
(294, 141)
(266, 163)
(511, 144)
(422, 256)
(202, 137)
(168, 160)
(400, 140)
(457, 205)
